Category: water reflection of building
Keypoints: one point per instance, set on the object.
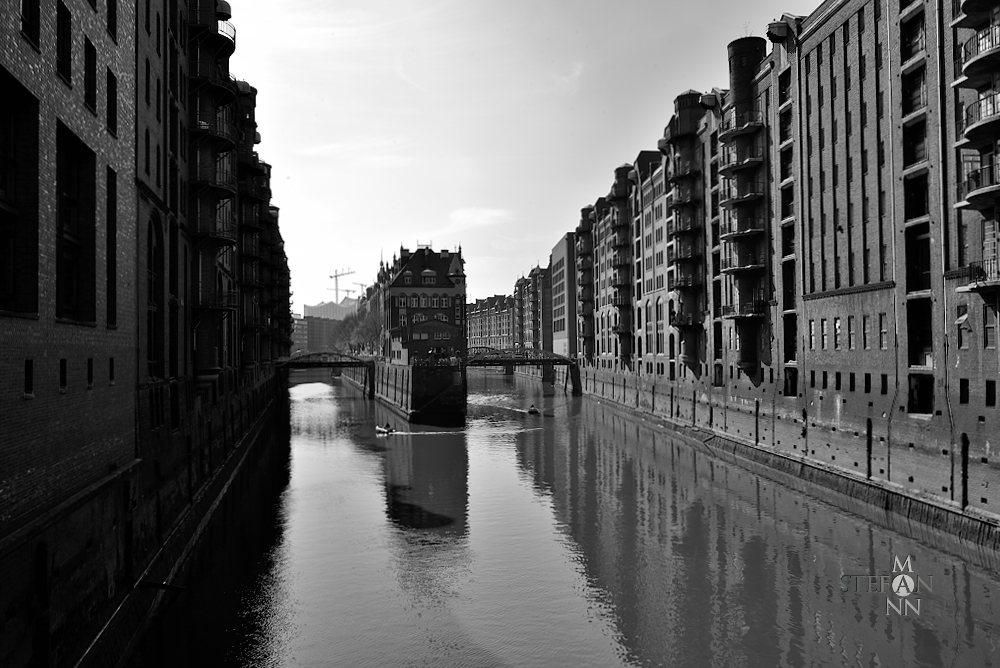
(427, 499)
(427, 483)
(705, 563)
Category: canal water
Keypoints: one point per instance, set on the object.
(575, 537)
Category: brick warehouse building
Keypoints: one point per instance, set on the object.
(817, 245)
(144, 295)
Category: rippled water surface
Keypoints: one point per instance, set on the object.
(578, 537)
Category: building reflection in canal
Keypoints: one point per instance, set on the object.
(705, 563)
(586, 538)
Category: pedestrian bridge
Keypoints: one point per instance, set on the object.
(329, 360)
(509, 358)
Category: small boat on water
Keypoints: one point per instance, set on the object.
(379, 429)
(532, 410)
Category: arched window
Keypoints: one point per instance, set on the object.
(402, 301)
(423, 301)
(435, 301)
(413, 301)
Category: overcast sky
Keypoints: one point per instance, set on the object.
(482, 123)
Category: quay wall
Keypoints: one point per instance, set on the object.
(432, 394)
(911, 467)
(81, 579)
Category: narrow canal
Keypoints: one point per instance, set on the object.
(578, 537)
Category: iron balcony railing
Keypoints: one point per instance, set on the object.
(981, 271)
(750, 309)
(740, 226)
(983, 109)
(682, 252)
(682, 319)
(212, 298)
(734, 157)
(217, 225)
(620, 240)
(733, 123)
(978, 179)
(738, 261)
(620, 260)
(736, 192)
(985, 40)
(620, 300)
(211, 124)
(681, 224)
(682, 280)
(214, 175)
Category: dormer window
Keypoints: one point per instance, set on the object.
(407, 280)
(430, 280)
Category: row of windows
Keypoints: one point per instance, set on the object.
(64, 68)
(423, 301)
(29, 375)
(848, 342)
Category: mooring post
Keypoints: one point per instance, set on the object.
(574, 376)
(370, 379)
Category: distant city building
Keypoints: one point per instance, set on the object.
(332, 310)
(300, 335)
(319, 333)
(421, 298)
(491, 322)
(563, 280)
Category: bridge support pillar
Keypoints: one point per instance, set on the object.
(370, 379)
(548, 374)
(508, 369)
(574, 377)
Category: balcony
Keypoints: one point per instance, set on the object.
(982, 119)
(970, 7)
(735, 125)
(585, 309)
(682, 253)
(204, 19)
(981, 187)
(619, 260)
(215, 299)
(737, 262)
(250, 160)
(677, 131)
(255, 189)
(741, 227)
(622, 329)
(684, 169)
(735, 194)
(585, 328)
(214, 226)
(620, 300)
(734, 158)
(682, 225)
(683, 281)
(584, 294)
(584, 247)
(683, 196)
(621, 278)
(982, 276)
(584, 263)
(219, 129)
(684, 320)
(751, 309)
(250, 248)
(213, 176)
(981, 56)
(251, 276)
(621, 240)
(255, 321)
(208, 69)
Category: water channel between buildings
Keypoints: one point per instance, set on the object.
(578, 537)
